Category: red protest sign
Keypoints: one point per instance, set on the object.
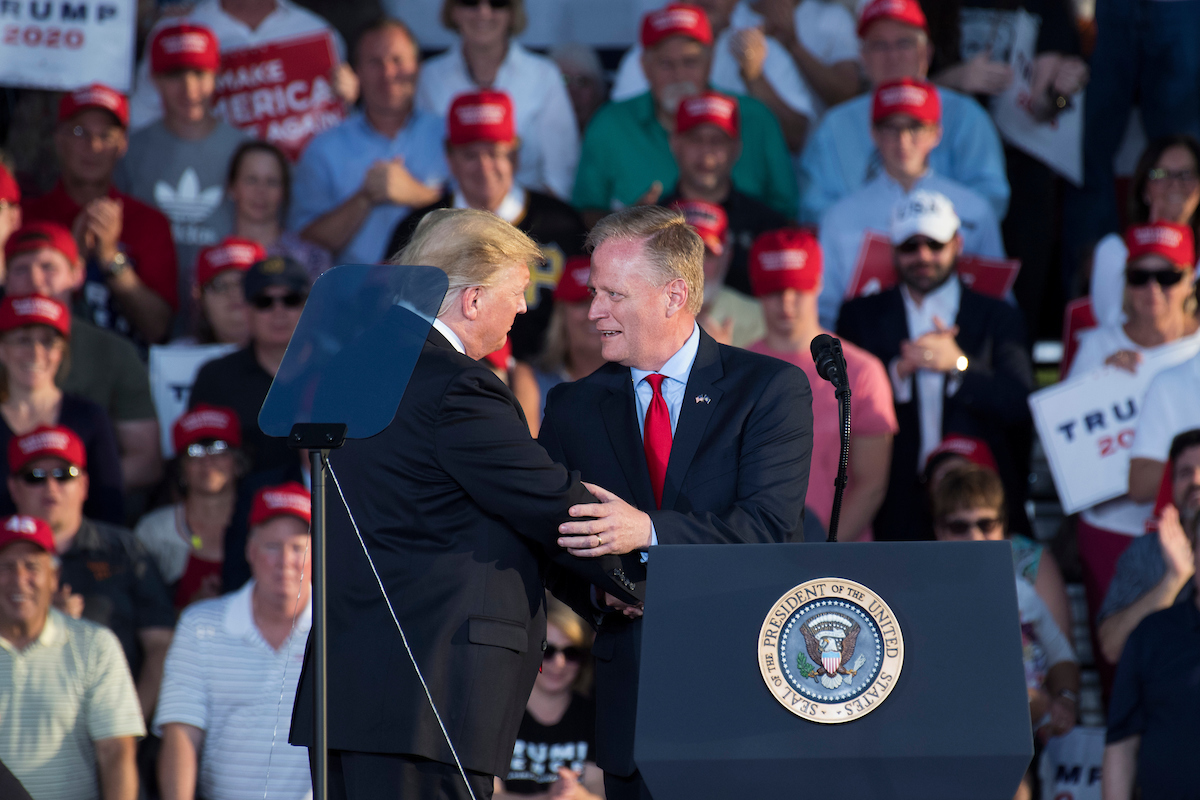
(280, 92)
(875, 273)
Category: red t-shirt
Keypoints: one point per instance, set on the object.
(871, 409)
(145, 236)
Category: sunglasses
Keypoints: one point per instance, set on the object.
(36, 477)
(265, 302)
(572, 653)
(492, 3)
(1141, 277)
(1181, 175)
(961, 527)
(909, 246)
(213, 448)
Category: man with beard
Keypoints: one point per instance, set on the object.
(626, 158)
(957, 359)
(1155, 571)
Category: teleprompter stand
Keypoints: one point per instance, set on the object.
(955, 727)
(343, 376)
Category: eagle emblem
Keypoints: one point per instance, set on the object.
(830, 640)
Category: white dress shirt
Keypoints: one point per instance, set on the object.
(511, 208)
(932, 387)
(870, 209)
(726, 75)
(545, 119)
(451, 336)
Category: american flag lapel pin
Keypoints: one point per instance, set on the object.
(703, 398)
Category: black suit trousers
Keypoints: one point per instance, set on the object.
(384, 776)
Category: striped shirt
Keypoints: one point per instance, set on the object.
(222, 677)
(66, 690)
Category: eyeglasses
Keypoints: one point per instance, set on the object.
(1165, 277)
(961, 527)
(225, 286)
(572, 653)
(1179, 175)
(492, 3)
(909, 246)
(213, 448)
(108, 136)
(290, 300)
(36, 477)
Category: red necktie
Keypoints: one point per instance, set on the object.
(656, 437)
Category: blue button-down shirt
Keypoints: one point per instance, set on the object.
(840, 155)
(676, 372)
(333, 167)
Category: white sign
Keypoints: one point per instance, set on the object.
(1087, 425)
(65, 44)
(1057, 143)
(173, 370)
(1071, 765)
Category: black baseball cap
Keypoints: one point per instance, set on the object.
(275, 271)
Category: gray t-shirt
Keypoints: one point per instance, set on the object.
(1139, 569)
(185, 180)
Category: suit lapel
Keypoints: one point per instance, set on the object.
(619, 411)
(694, 415)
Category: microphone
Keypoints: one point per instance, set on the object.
(827, 354)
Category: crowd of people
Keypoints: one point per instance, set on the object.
(841, 163)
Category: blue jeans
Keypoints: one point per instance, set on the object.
(1147, 53)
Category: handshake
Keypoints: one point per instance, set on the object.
(616, 527)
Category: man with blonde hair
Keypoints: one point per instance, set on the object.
(459, 510)
(700, 443)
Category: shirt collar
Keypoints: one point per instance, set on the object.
(451, 336)
(511, 208)
(54, 632)
(678, 366)
(239, 614)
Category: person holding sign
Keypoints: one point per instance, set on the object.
(1160, 308)
(906, 126)
(957, 359)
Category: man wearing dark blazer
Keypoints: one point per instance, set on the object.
(699, 443)
(459, 510)
(957, 361)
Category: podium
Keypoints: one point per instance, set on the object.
(954, 725)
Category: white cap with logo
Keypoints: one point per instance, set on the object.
(926, 214)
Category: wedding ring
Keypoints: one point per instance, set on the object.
(928, 356)
(599, 541)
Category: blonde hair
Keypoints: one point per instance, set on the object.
(516, 23)
(671, 246)
(560, 615)
(470, 246)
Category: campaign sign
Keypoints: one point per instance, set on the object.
(172, 372)
(65, 44)
(1070, 768)
(1087, 425)
(875, 272)
(281, 91)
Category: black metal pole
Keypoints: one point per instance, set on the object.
(839, 484)
(320, 774)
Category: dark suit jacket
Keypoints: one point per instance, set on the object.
(738, 473)
(455, 504)
(990, 403)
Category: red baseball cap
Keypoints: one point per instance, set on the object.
(205, 422)
(708, 108)
(788, 258)
(184, 45)
(46, 442)
(10, 192)
(707, 219)
(972, 449)
(917, 99)
(233, 252)
(27, 529)
(34, 236)
(287, 499)
(676, 19)
(484, 116)
(1174, 242)
(95, 96)
(34, 309)
(907, 12)
(573, 285)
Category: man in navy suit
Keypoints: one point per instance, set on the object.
(699, 443)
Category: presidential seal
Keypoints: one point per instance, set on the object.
(830, 650)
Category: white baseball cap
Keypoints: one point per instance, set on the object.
(926, 213)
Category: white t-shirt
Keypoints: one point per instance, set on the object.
(287, 21)
(1170, 407)
(726, 76)
(545, 119)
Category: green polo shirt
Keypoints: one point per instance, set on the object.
(626, 149)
